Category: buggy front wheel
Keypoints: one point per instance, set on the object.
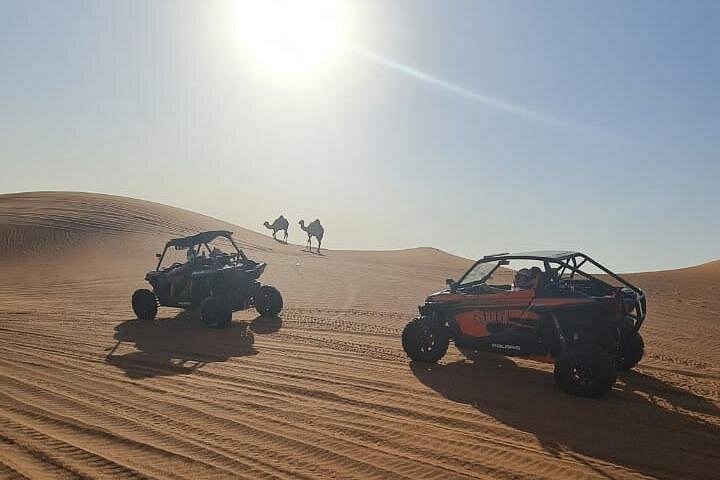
(144, 304)
(631, 350)
(268, 301)
(425, 340)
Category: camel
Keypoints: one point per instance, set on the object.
(280, 223)
(314, 229)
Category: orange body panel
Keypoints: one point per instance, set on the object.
(479, 310)
(471, 323)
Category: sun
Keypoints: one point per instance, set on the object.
(291, 36)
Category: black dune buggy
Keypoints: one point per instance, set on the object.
(211, 280)
(547, 306)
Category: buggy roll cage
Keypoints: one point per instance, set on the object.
(570, 262)
(203, 238)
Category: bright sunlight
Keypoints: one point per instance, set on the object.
(292, 37)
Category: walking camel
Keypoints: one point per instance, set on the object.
(280, 223)
(314, 229)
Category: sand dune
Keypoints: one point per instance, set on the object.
(87, 391)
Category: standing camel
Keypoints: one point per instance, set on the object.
(314, 229)
(280, 223)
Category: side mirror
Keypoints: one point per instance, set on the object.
(158, 255)
(449, 282)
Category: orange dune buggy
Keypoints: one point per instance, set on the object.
(557, 306)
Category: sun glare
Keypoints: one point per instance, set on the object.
(291, 36)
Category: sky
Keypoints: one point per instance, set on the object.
(474, 126)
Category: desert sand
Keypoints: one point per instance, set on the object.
(88, 391)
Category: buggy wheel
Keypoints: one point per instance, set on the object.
(630, 351)
(144, 304)
(216, 313)
(268, 301)
(586, 371)
(425, 340)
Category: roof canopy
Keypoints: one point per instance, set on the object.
(200, 238)
(553, 254)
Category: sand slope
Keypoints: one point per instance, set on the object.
(86, 391)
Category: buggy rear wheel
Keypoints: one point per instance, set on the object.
(216, 313)
(425, 340)
(586, 371)
(631, 350)
(144, 304)
(268, 301)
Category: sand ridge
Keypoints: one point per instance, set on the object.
(87, 391)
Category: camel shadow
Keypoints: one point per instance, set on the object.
(265, 324)
(645, 424)
(175, 346)
(314, 252)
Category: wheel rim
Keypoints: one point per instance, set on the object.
(581, 374)
(266, 301)
(426, 339)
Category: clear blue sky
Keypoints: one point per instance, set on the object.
(472, 126)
